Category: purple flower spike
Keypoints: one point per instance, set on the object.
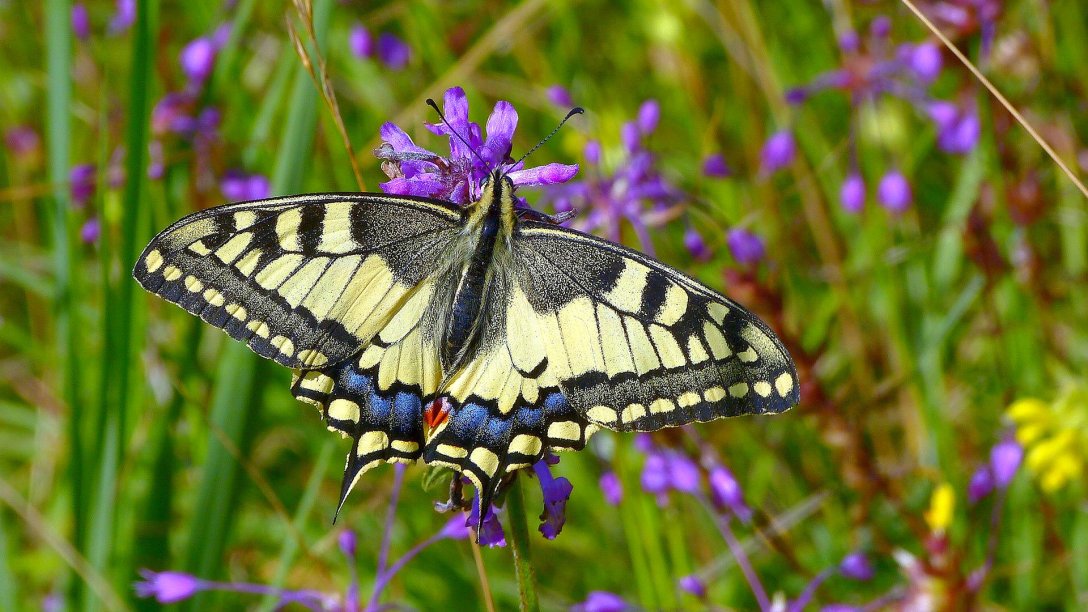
(81, 21)
(894, 192)
(881, 26)
(714, 166)
(90, 231)
(612, 488)
(693, 585)
(346, 540)
(747, 248)
(123, 17)
(601, 601)
(961, 135)
(168, 587)
(454, 529)
(592, 152)
(83, 182)
(392, 51)
(981, 485)
(777, 152)
(849, 42)
(361, 42)
(198, 59)
(655, 474)
(648, 116)
(856, 566)
(237, 186)
(925, 61)
(1005, 458)
(491, 534)
(726, 493)
(694, 243)
(556, 492)
(852, 193)
(559, 96)
(684, 474)
(630, 136)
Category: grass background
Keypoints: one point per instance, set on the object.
(132, 435)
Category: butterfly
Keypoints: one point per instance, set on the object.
(472, 337)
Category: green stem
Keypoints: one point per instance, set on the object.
(519, 544)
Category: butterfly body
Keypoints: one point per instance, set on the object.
(469, 337)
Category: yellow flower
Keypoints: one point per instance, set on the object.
(1054, 435)
(941, 506)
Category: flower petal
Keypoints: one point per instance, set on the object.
(549, 174)
(500, 132)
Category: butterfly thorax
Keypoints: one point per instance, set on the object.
(489, 223)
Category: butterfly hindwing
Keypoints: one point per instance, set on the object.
(304, 280)
(639, 346)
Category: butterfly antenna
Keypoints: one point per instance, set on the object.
(432, 104)
(577, 110)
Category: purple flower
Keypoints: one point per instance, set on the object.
(894, 192)
(237, 186)
(648, 116)
(123, 17)
(81, 22)
(693, 242)
(601, 601)
(83, 182)
(455, 529)
(556, 492)
(168, 587)
(747, 248)
(155, 163)
(346, 541)
(559, 96)
(360, 41)
(960, 135)
(491, 533)
(459, 178)
(171, 113)
(714, 166)
(630, 136)
(695, 586)
(198, 59)
(981, 484)
(849, 42)
(655, 474)
(777, 152)
(684, 473)
(90, 231)
(881, 26)
(924, 60)
(852, 193)
(592, 152)
(392, 51)
(1005, 458)
(726, 493)
(22, 140)
(611, 487)
(856, 566)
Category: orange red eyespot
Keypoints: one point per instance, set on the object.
(436, 413)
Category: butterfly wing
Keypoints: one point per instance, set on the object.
(306, 281)
(636, 345)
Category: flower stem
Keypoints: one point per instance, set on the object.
(741, 558)
(519, 544)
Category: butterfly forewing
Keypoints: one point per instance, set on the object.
(306, 281)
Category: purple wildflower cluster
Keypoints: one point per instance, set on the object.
(123, 16)
(388, 48)
(413, 170)
(874, 70)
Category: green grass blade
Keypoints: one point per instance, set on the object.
(233, 406)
